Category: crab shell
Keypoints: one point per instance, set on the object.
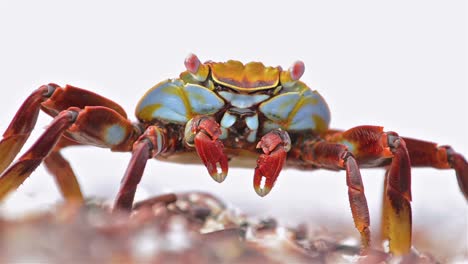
(270, 97)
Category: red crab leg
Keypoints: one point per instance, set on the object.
(148, 145)
(397, 198)
(63, 174)
(21, 126)
(337, 156)
(93, 125)
(275, 145)
(53, 99)
(204, 132)
(428, 154)
(15, 175)
(373, 147)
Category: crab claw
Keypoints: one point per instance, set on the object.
(211, 153)
(275, 146)
(209, 147)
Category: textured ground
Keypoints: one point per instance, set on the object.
(184, 228)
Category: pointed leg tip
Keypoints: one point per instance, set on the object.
(399, 224)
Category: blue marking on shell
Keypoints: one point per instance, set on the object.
(280, 107)
(228, 120)
(313, 105)
(165, 101)
(297, 110)
(165, 113)
(175, 102)
(252, 122)
(243, 100)
(202, 100)
(114, 135)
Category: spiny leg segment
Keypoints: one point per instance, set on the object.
(63, 173)
(372, 147)
(147, 146)
(78, 124)
(22, 124)
(81, 117)
(429, 154)
(15, 175)
(336, 156)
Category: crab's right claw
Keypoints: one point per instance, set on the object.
(203, 133)
(211, 153)
(275, 146)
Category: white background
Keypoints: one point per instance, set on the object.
(399, 64)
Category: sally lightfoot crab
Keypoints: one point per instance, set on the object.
(225, 112)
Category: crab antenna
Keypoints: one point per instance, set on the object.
(192, 63)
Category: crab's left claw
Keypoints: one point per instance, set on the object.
(204, 133)
(275, 146)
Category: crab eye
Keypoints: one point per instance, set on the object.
(296, 70)
(192, 63)
(294, 73)
(198, 70)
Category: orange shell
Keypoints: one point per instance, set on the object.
(252, 76)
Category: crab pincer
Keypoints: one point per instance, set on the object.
(204, 132)
(275, 146)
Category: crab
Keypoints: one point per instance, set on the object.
(225, 112)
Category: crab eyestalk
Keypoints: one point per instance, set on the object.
(198, 70)
(293, 74)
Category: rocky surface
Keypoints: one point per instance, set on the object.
(173, 228)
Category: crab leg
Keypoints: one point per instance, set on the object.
(428, 154)
(373, 147)
(112, 131)
(52, 99)
(15, 175)
(397, 197)
(148, 145)
(204, 132)
(23, 123)
(63, 174)
(275, 145)
(337, 156)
